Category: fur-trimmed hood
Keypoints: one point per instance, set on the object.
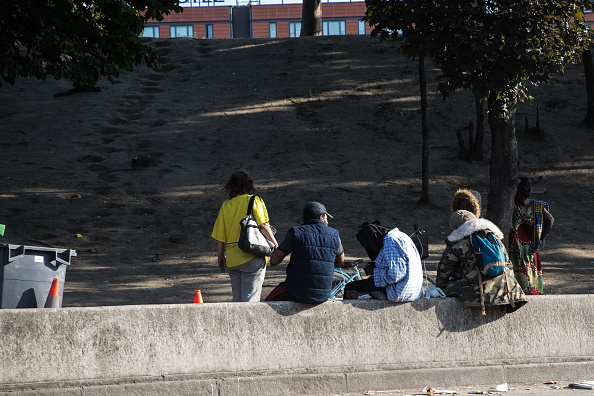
(473, 226)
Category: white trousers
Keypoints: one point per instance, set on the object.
(247, 280)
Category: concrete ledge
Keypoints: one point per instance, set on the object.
(292, 349)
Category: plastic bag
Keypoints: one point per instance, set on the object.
(433, 291)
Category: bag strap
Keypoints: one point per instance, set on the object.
(480, 279)
(473, 261)
(509, 292)
(250, 208)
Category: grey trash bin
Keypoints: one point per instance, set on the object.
(27, 273)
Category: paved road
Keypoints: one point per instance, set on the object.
(513, 390)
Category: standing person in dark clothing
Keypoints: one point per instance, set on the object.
(315, 250)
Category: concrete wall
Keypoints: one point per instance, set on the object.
(287, 348)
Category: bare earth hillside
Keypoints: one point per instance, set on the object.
(136, 169)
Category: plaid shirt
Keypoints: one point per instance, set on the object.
(398, 268)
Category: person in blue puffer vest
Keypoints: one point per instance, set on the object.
(315, 250)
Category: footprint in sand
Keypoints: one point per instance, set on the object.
(90, 158)
(168, 68)
(99, 214)
(155, 77)
(164, 51)
(77, 220)
(117, 121)
(144, 211)
(151, 90)
(150, 83)
(104, 190)
(158, 123)
(109, 177)
(133, 116)
(161, 44)
(111, 131)
(109, 150)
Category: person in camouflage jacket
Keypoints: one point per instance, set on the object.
(457, 274)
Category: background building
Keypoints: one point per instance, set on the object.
(260, 19)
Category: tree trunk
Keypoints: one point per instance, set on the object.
(503, 170)
(425, 128)
(476, 151)
(311, 18)
(589, 70)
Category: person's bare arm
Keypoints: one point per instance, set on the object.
(222, 260)
(547, 224)
(339, 261)
(267, 232)
(277, 257)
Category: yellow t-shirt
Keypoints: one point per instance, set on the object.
(227, 228)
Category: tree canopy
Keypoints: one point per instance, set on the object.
(495, 48)
(486, 45)
(81, 41)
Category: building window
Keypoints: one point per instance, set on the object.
(150, 31)
(209, 32)
(334, 28)
(361, 27)
(272, 29)
(294, 29)
(181, 31)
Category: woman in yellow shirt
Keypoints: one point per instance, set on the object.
(245, 270)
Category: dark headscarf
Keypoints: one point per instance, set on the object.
(524, 187)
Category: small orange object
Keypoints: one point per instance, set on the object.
(198, 297)
(53, 298)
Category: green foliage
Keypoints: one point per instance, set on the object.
(492, 47)
(411, 21)
(81, 41)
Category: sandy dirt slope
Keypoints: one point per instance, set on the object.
(332, 119)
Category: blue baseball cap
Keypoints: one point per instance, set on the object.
(313, 210)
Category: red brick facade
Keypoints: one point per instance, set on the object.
(220, 20)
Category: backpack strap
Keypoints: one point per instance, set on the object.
(480, 279)
(471, 237)
(509, 292)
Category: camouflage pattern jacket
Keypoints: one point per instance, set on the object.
(457, 274)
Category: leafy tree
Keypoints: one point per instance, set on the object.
(496, 48)
(81, 41)
(311, 18)
(506, 45)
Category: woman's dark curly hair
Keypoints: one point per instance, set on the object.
(238, 184)
(466, 200)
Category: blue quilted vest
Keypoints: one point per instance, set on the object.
(311, 268)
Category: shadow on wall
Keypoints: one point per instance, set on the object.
(453, 315)
(290, 308)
